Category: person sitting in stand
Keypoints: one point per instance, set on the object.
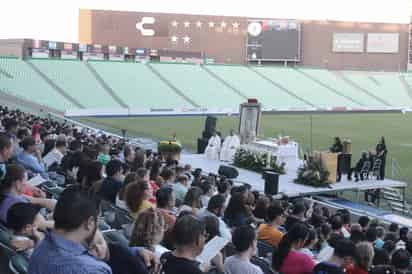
(24, 219)
(31, 158)
(362, 164)
(137, 198)
(244, 240)
(343, 253)
(114, 181)
(213, 147)
(269, 232)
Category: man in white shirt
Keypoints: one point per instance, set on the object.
(229, 147)
(57, 153)
(213, 147)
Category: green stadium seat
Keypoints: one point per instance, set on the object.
(138, 86)
(329, 78)
(384, 85)
(199, 85)
(253, 86)
(305, 87)
(28, 85)
(76, 79)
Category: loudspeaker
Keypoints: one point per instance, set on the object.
(228, 171)
(210, 125)
(271, 182)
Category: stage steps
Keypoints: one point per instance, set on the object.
(395, 201)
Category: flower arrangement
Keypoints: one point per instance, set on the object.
(257, 161)
(169, 147)
(312, 173)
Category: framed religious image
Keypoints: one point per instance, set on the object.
(249, 122)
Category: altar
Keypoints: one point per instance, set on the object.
(284, 152)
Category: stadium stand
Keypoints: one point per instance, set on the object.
(27, 84)
(138, 86)
(198, 85)
(69, 74)
(305, 87)
(253, 86)
(383, 85)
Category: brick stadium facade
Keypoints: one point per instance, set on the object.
(223, 38)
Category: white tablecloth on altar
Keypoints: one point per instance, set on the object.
(288, 153)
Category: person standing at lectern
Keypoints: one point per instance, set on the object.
(213, 147)
(381, 152)
(229, 147)
(337, 147)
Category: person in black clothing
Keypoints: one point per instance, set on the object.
(381, 152)
(190, 236)
(337, 147)
(344, 251)
(113, 183)
(362, 162)
(297, 215)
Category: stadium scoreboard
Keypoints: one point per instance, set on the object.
(273, 40)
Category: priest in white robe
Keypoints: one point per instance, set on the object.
(213, 147)
(229, 147)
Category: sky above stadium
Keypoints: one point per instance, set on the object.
(57, 20)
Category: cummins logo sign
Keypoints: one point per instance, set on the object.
(142, 26)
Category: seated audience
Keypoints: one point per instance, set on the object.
(11, 192)
(104, 153)
(236, 213)
(297, 215)
(342, 254)
(132, 177)
(190, 236)
(31, 158)
(137, 198)
(270, 232)
(244, 240)
(262, 204)
(401, 260)
(92, 181)
(364, 222)
(24, 220)
(287, 259)
(6, 152)
(168, 176)
(114, 181)
(192, 201)
(65, 249)
(56, 155)
(165, 205)
(215, 208)
(310, 244)
(208, 191)
(364, 254)
(180, 188)
(148, 230)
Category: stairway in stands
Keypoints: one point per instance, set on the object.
(395, 201)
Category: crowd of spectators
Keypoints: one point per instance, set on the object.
(171, 213)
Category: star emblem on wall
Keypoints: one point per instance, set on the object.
(211, 24)
(199, 24)
(186, 24)
(223, 24)
(175, 23)
(186, 39)
(174, 39)
(235, 25)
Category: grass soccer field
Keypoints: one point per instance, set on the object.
(363, 129)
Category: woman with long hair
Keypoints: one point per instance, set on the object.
(148, 230)
(287, 259)
(137, 198)
(192, 201)
(237, 212)
(120, 199)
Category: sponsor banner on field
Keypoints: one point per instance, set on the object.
(68, 54)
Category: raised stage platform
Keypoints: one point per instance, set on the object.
(286, 184)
